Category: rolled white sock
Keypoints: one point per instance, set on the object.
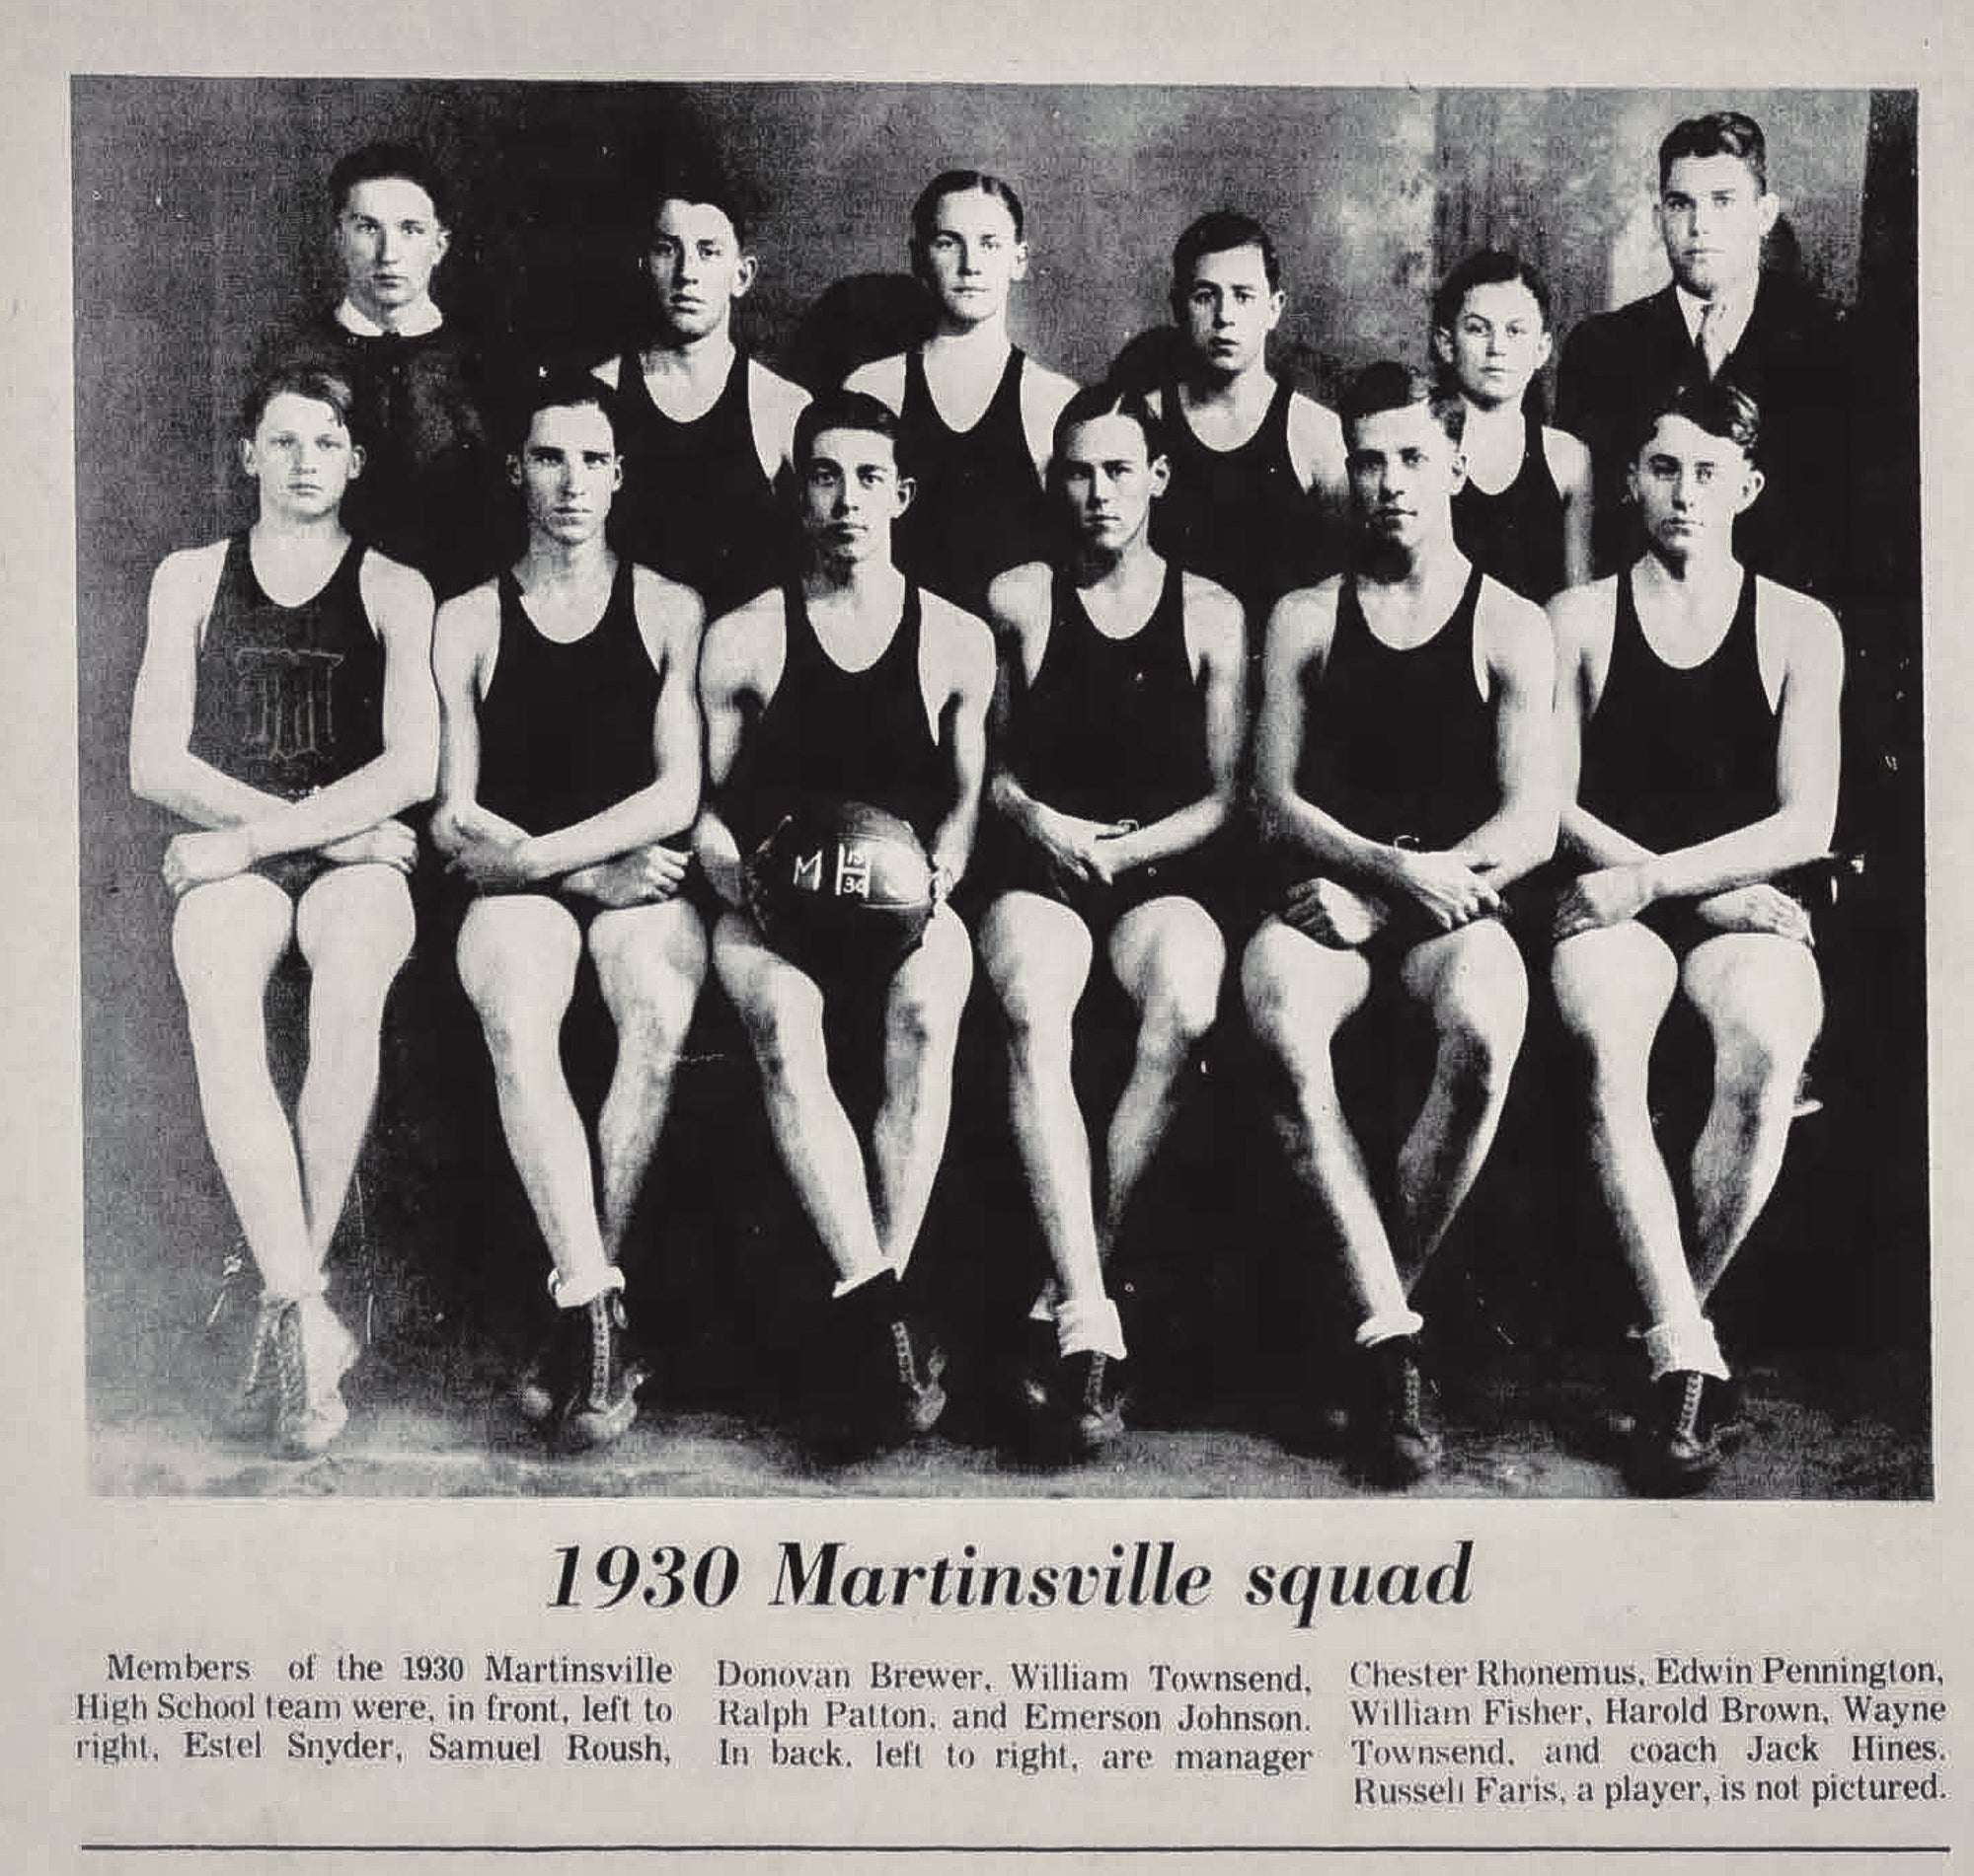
(857, 1279)
(575, 1292)
(1386, 1325)
(1685, 1345)
(1089, 1327)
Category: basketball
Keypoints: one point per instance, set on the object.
(841, 888)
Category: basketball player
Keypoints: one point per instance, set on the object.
(851, 683)
(429, 483)
(706, 429)
(1401, 766)
(1257, 481)
(284, 708)
(1721, 316)
(569, 759)
(1523, 513)
(976, 415)
(1698, 714)
(1121, 710)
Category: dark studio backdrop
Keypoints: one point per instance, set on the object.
(201, 222)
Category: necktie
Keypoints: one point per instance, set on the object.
(1711, 338)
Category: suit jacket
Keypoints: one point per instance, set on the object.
(1792, 360)
(431, 492)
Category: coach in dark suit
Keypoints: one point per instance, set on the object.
(1723, 317)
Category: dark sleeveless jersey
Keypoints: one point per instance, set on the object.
(1240, 516)
(1673, 757)
(696, 503)
(978, 507)
(1399, 745)
(1516, 535)
(1112, 730)
(829, 735)
(288, 699)
(565, 730)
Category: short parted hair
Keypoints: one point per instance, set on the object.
(301, 378)
(403, 162)
(1716, 405)
(705, 184)
(961, 183)
(1391, 385)
(562, 388)
(842, 410)
(1219, 232)
(1490, 266)
(1111, 399)
(1718, 133)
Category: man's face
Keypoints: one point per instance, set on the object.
(1109, 481)
(1712, 218)
(568, 471)
(1405, 471)
(1496, 345)
(302, 456)
(1690, 486)
(695, 268)
(851, 494)
(390, 239)
(973, 256)
(1229, 310)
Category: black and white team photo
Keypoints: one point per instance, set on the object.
(948, 790)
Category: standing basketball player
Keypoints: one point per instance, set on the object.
(1523, 512)
(1121, 718)
(976, 415)
(284, 706)
(569, 759)
(430, 487)
(706, 429)
(1257, 484)
(1698, 709)
(852, 683)
(1402, 765)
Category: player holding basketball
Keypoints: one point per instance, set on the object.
(570, 760)
(976, 415)
(850, 684)
(1698, 712)
(1257, 481)
(1523, 513)
(1120, 712)
(706, 430)
(1402, 765)
(284, 706)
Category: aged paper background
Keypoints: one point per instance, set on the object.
(275, 1577)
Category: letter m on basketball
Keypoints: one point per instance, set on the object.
(809, 873)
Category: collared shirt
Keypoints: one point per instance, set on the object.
(419, 319)
(1736, 312)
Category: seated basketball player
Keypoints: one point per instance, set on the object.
(569, 759)
(1258, 483)
(286, 709)
(1523, 513)
(1401, 768)
(705, 429)
(976, 415)
(1698, 712)
(850, 684)
(1120, 724)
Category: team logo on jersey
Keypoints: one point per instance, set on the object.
(285, 701)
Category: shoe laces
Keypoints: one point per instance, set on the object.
(907, 1360)
(601, 1349)
(1687, 1426)
(290, 1361)
(1092, 1381)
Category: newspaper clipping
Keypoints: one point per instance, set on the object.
(988, 951)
